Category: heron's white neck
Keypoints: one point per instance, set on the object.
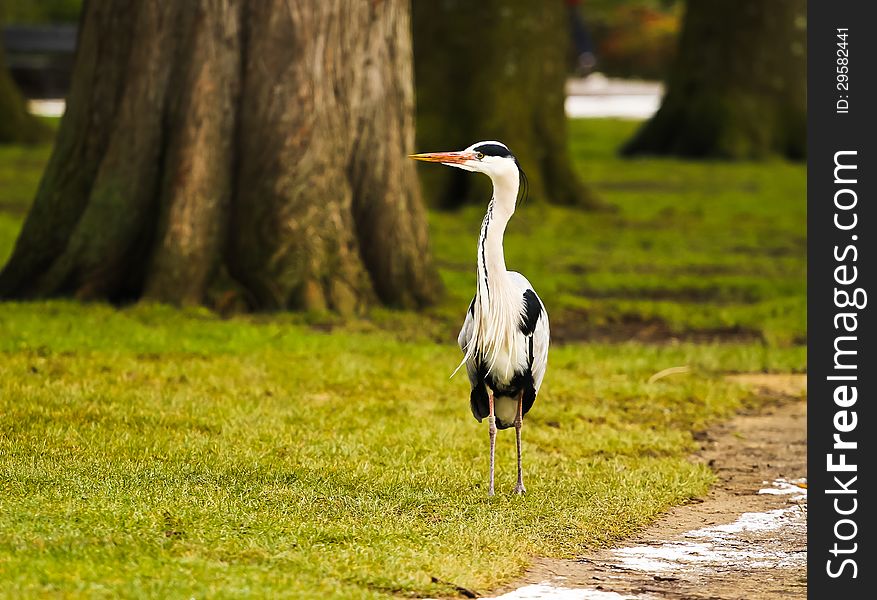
(497, 310)
(491, 258)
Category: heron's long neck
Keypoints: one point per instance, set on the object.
(491, 259)
(497, 314)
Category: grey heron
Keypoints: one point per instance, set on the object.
(505, 335)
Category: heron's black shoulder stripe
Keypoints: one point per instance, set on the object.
(472, 305)
(493, 150)
(530, 315)
(481, 242)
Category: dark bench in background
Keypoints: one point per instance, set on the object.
(40, 58)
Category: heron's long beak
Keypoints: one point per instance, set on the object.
(448, 158)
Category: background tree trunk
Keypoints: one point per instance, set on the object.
(738, 86)
(17, 126)
(262, 140)
(494, 70)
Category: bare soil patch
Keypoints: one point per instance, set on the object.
(571, 326)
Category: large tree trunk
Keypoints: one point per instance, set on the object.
(738, 86)
(262, 140)
(495, 70)
(17, 126)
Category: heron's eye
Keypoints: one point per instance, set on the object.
(479, 155)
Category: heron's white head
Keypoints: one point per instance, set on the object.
(492, 158)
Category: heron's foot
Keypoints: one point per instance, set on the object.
(519, 489)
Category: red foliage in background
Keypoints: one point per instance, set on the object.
(636, 41)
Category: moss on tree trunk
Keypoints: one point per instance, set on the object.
(265, 140)
(494, 69)
(737, 88)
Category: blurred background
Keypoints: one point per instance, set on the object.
(229, 301)
(635, 40)
(708, 240)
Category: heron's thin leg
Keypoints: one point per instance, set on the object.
(491, 427)
(519, 422)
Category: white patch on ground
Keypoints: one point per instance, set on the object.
(546, 591)
(600, 96)
(782, 487)
(620, 106)
(741, 544)
(47, 108)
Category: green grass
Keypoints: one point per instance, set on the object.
(148, 451)
(20, 170)
(152, 451)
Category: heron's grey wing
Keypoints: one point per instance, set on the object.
(541, 339)
(534, 323)
(468, 326)
(463, 340)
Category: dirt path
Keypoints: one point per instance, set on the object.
(736, 543)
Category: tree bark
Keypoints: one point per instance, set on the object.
(265, 140)
(737, 89)
(495, 70)
(17, 126)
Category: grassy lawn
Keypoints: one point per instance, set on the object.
(156, 452)
(20, 170)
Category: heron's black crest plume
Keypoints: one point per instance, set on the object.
(524, 192)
